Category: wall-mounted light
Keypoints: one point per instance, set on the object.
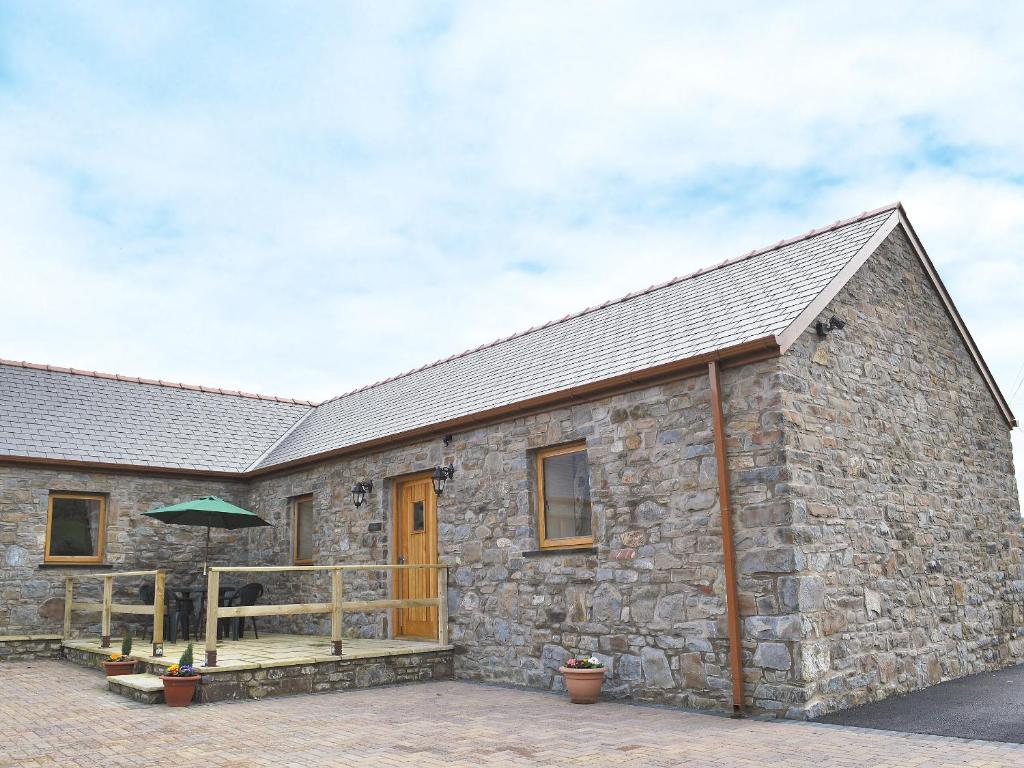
(441, 476)
(447, 440)
(359, 491)
(835, 324)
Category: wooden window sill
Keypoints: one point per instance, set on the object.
(105, 566)
(560, 551)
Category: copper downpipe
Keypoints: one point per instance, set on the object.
(728, 551)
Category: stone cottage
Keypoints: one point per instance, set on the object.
(782, 483)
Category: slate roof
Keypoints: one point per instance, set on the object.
(738, 301)
(66, 415)
(79, 416)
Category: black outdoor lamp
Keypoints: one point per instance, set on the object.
(823, 329)
(359, 491)
(441, 476)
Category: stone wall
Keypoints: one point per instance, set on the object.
(289, 679)
(342, 535)
(326, 676)
(906, 516)
(769, 591)
(649, 600)
(32, 594)
(29, 647)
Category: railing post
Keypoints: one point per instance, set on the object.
(108, 598)
(212, 603)
(337, 614)
(442, 605)
(69, 596)
(158, 613)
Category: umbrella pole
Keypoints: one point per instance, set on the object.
(206, 556)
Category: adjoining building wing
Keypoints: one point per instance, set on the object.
(62, 415)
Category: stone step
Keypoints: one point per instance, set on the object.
(145, 688)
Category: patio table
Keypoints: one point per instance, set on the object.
(185, 594)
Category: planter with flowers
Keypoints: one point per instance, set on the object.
(121, 663)
(583, 678)
(180, 681)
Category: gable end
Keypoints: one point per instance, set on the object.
(899, 218)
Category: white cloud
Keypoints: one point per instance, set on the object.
(300, 200)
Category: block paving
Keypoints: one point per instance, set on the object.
(57, 714)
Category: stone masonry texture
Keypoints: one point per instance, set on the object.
(32, 597)
(905, 515)
(650, 603)
(28, 648)
(876, 524)
(288, 679)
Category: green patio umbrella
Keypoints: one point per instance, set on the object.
(211, 511)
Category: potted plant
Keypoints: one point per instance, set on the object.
(180, 681)
(583, 678)
(121, 663)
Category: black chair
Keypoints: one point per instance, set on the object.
(247, 595)
(225, 597)
(175, 615)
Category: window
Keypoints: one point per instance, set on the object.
(75, 528)
(302, 530)
(563, 490)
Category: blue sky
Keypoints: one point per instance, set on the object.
(302, 198)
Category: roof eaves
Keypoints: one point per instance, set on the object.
(748, 351)
(111, 466)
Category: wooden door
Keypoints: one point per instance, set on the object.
(415, 542)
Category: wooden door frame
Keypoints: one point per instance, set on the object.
(396, 495)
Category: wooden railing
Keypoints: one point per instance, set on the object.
(106, 607)
(336, 608)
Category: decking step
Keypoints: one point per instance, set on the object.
(148, 689)
(143, 682)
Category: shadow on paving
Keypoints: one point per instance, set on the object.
(986, 706)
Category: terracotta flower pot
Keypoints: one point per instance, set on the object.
(584, 685)
(178, 691)
(113, 668)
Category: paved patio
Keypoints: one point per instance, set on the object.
(56, 714)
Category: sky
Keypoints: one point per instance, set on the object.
(298, 199)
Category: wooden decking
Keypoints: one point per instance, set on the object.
(271, 650)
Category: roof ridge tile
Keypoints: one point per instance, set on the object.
(838, 224)
(152, 382)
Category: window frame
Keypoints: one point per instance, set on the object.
(296, 560)
(101, 538)
(542, 540)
